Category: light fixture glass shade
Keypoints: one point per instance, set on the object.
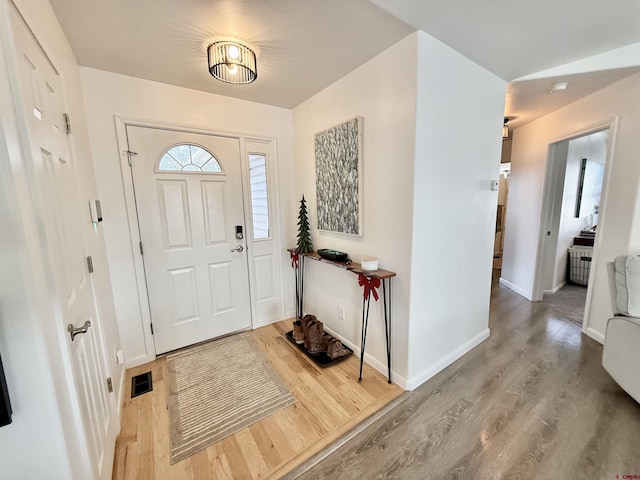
(232, 62)
(558, 87)
(505, 131)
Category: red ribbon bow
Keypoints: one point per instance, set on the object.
(294, 259)
(370, 285)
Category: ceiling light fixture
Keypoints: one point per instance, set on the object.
(505, 129)
(232, 62)
(558, 87)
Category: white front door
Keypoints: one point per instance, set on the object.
(55, 192)
(188, 190)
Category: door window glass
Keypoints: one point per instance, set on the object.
(259, 199)
(189, 158)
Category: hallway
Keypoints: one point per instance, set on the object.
(569, 302)
(533, 401)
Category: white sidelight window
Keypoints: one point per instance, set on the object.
(259, 196)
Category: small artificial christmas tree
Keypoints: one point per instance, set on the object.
(304, 235)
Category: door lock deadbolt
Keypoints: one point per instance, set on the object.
(239, 234)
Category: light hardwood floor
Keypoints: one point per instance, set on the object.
(533, 401)
(330, 402)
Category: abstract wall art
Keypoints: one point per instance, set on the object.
(338, 153)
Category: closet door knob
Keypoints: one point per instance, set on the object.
(73, 331)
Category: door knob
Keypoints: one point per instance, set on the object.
(239, 248)
(73, 331)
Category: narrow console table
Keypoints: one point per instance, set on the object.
(370, 283)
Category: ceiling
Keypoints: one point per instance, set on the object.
(513, 38)
(532, 99)
(304, 46)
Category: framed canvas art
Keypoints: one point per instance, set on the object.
(338, 153)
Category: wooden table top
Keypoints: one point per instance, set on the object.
(353, 267)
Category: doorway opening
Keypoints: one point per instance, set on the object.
(573, 191)
(501, 217)
(191, 219)
(204, 223)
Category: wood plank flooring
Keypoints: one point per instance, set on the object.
(533, 401)
(330, 402)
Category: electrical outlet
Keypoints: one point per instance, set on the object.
(341, 313)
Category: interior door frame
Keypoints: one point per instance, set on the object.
(537, 291)
(121, 123)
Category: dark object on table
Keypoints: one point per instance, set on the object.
(584, 240)
(333, 255)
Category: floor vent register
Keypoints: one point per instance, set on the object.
(141, 384)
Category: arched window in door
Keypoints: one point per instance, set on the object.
(187, 157)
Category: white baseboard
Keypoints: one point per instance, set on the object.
(516, 289)
(597, 336)
(139, 360)
(556, 289)
(466, 347)
(371, 361)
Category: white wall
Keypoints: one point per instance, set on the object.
(109, 94)
(413, 161)
(454, 207)
(386, 101)
(42, 440)
(619, 219)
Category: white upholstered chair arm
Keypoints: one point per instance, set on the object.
(621, 354)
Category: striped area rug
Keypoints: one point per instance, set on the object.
(217, 389)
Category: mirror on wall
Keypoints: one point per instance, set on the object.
(589, 187)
